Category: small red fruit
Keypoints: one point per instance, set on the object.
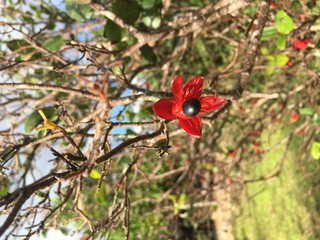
(300, 44)
(294, 117)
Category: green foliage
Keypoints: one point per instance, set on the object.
(283, 26)
(94, 174)
(100, 195)
(279, 60)
(112, 31)
(268, 33)
(315, 150)
(306, 111)
(148, 53)
(78, 10)
(284, 22)
(4, 185)
(128, 10)
(202, 51)
(53, 44)
(281, 42)
(149, 4)
(26, 52)
(152, 21)
(17, 44)
(178, 202)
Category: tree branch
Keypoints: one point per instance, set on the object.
(253, 50)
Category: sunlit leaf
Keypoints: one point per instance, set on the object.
(281, 42)
(277, 60)
(284, 22)
(4, 189)
(53, 44)
(78, 10)
(269, 32)
(147, 4)
(264, 51)
(315, 150)
(306, 111)
(94, 174)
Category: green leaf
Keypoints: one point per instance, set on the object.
(184, 156)
(268, 33)
(284, 22)
(128, 10)
(316, 118)
(77, 10)
(306, 111)
(94, 174)
(281, 42)
(112, 31)
(130, 132)
(100, 195)
(182, 199)
(156, 22)
(16, 44)
(35, 119)
(152, 22)
(264, 51)
(148, 4)
(315, 150)
(4, 190)
(281, 60)
(147, 53)
(53, 44)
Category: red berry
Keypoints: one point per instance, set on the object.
(300, 44)
(294, 117)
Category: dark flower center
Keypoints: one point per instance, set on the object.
(191, 107)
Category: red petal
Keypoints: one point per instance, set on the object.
(193, 88)
(191, 125)
(164, 108)
(177, 87)
(211, 103)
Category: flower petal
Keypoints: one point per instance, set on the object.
(164, 108)
(211, 103)
(177, 87)
(191, 125)
(193, 88)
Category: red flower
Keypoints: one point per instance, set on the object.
(187, 105)
(300, 44)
